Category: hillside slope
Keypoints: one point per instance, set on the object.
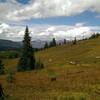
(8, 45)
(87, 51)
(76, 69)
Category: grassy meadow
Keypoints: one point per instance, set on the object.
(74, 68)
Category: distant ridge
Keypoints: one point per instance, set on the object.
(10, 45)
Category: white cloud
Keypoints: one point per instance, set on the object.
(14, 11)
(80, 24)
(4, 26)
(52, 28)
(47, 32)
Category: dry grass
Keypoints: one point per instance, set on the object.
(81, 79)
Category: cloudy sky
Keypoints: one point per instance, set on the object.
(49, 18)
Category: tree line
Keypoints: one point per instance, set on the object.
(54, 43)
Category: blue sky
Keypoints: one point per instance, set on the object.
(87, 17)
(23, 1)
(49, 17)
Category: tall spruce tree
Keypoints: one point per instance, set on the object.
(27, 59)
(65, 41)
(53, 42)
(75, 41)
(46, 45)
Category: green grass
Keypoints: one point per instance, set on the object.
(84, 52)
(78, 80)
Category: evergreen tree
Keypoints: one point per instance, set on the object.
(59, 44)
(27, 59)
(75, 41)
(65, 41)
(46, 45)
(1, 68)
(95, 35)
(53, 43)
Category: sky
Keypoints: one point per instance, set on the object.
(47, 19)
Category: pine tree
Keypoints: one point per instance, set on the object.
(1, 68)
(46, 45)
(53, 43)
(75, 41)
(27, 59)
(65, 41)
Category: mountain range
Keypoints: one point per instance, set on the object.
(8, 44)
